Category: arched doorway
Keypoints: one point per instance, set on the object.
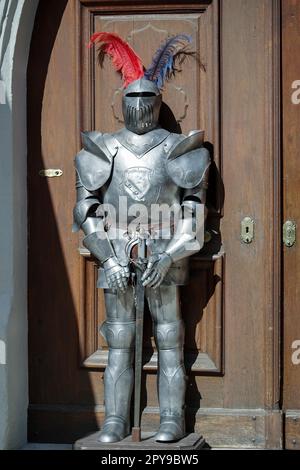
(229, 307)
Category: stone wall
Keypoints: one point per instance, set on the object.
(16, 24)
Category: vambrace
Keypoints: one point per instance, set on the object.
(86, 218)
(189, 234)
(97, 241)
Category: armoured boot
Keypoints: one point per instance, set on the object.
(118, 380)
(171, 381)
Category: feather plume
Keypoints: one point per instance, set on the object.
(171, 54)
(123, 57)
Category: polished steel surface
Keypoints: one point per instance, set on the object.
(141, 106)
(121, 179)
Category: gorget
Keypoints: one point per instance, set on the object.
(141, 144)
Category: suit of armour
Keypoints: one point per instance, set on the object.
(142, 166)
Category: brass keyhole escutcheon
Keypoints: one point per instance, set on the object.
(247, 230)
(289, 233)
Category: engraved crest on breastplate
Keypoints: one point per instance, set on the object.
(137, 182)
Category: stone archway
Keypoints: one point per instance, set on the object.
(16, 24)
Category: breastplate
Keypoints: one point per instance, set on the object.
(139, 172)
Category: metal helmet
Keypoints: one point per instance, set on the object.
(141, 106)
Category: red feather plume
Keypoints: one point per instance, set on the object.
(123, 57)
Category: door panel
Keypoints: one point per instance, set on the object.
(291, 211)
(251, 152)
(185, 99)
(230, 308)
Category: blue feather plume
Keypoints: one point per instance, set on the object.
(163, 66)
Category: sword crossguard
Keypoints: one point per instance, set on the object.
(142, 264)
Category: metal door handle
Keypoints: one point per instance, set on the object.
(51, 173)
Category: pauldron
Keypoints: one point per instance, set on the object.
(188, 161)
(94, 163)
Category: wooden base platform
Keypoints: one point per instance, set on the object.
(190, 442)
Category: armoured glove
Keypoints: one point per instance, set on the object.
(157, 268)
(116, 275)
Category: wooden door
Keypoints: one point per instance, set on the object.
(291, 214)
(231, 308)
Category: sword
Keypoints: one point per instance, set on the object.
(140, 301)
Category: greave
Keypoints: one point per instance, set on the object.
(118, 381)
(171, 381)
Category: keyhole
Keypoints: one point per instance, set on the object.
(247, 233)
(247, 230)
